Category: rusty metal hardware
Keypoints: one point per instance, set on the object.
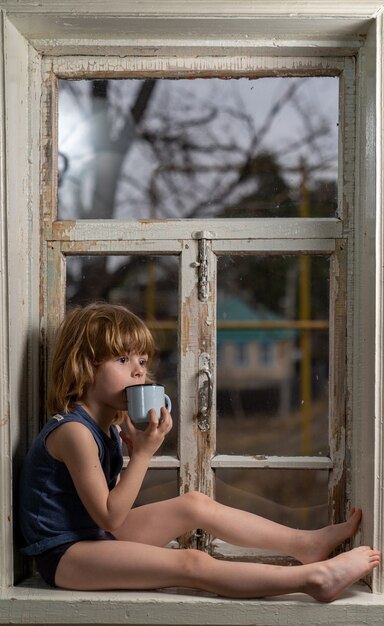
(206, 396)
(202, 263)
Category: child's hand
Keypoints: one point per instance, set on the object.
(148, 441)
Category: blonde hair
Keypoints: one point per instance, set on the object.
(87, 337)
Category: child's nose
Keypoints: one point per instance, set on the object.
(138, 371)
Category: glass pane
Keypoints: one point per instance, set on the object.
(158, 485)
(202, 148)
(296, 498)
(147, 285)
(272, 374)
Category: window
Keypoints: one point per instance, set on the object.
(162, 261)
(215, 158)
(242, 355)
(266, 354)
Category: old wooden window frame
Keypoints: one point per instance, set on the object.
(330, 236)
(31, 33)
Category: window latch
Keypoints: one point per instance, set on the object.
(206, 395)
(202, 263)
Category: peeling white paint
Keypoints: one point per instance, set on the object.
(240, 47)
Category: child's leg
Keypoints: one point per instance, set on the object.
(101, 565)
(159, 523)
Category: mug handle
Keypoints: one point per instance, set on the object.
(168, 403)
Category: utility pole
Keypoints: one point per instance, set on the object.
(305, 337)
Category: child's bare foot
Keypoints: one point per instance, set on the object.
(317, 545)
(330, 578)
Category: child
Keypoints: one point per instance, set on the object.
(76, 510)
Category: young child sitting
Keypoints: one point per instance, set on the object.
(76, 503)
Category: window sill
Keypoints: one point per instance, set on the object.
(35, 603)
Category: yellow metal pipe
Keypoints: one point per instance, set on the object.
(305, 339)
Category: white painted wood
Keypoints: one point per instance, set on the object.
(20, 353)
(378, 510)
(188, 367)
(230, 461)
(53, 304)
(164, 462)
(127, 27)
(168, 246)
(262, 228)
(33, 228)
(54, 27)
(122, 246)
(5, 443)
(169, 8)
(210, 62)
(160, 462)
(274, 246)
(240, 62)
(40, 605)
(240, 46)
(206, 445)
(347, 138)
(362, 270)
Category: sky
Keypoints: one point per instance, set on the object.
(245, 112)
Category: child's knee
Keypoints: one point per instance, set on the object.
(197, 508)
(195, 564)
(197, 501)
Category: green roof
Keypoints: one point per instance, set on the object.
(235, 309)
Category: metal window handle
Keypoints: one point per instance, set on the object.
(206, 395)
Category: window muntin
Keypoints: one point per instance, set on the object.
(202, 148)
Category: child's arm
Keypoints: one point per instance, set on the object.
(74, 445)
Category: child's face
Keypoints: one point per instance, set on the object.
(114, 375)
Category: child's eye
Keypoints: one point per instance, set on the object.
(143, 362)
(122, 359)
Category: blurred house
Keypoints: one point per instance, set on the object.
(252, 358)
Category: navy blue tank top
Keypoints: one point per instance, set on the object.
(50, 511)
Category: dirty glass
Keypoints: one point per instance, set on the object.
(202, 148)
(158, 484)
(296, 498)
(272, 355)
(148, 286)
